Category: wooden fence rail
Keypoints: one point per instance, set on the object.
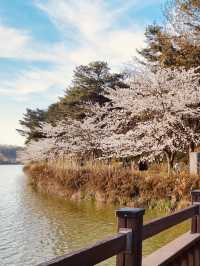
(101, 251)
(156, 226)
(127, 244)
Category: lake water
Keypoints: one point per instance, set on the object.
(36, 227)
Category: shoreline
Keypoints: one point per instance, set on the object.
(119, 186)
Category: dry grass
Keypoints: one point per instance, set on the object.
(116, 184)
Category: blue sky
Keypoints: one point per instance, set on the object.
(43, 40)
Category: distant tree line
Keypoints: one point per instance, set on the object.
(8, 154)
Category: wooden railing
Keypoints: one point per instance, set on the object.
(127, 244)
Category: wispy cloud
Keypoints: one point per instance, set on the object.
(90, 30)
(96, 28)
(19, 44)
(13, 41)
(34, 81)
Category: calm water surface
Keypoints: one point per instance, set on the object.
(36, 227)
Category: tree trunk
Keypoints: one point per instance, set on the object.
(191, 147)
(170, 161)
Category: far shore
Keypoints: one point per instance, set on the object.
(9, 163)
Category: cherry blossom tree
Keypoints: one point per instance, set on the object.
(157, 107)
(68, 137)
(150, 119)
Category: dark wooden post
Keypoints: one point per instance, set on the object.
(131, 218)
(195, 227)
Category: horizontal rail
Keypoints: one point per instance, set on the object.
(161, 224)
(92, 255)
(171, 251)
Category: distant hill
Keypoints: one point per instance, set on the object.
(8, 154)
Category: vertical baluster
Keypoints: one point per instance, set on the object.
(184, 262)
(196, 257)
(195, 227)
(191, 258)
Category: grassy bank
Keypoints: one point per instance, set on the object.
(113, 183)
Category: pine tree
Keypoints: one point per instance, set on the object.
(88, 84)
(178, 44)
(31, 122)
(160, 49)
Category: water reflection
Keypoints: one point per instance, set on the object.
(35, 227)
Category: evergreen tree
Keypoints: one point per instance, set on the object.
(160, 49)
(178, 44)
(31, 122)
(88, 84)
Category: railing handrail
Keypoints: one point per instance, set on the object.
(130, 238)
(156, 226)
(94, 254)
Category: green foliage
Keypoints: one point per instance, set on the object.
(88, 84)
(31, 122)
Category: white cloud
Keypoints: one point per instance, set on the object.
(87, 18)
(19, 44)
(93, 26)
(90, 24)
(12, 41)
(34, 81)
